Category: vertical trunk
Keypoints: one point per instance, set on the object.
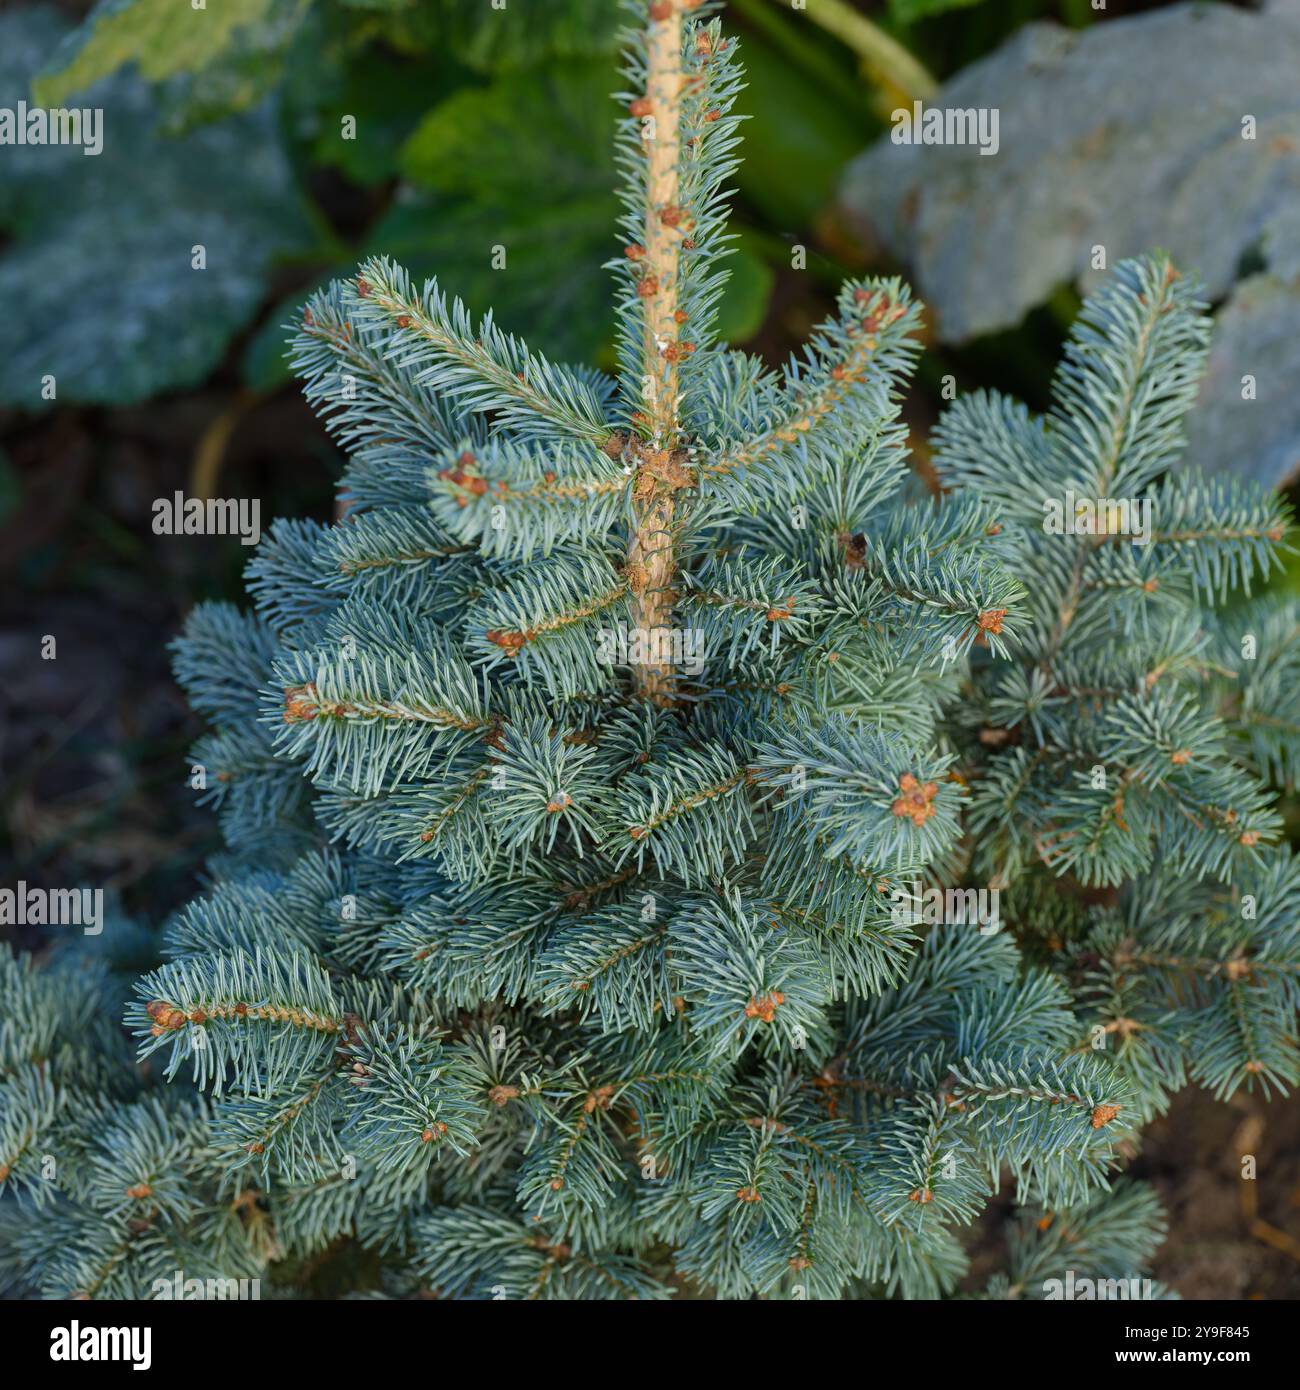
(650, 563)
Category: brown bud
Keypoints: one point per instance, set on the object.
(509, 642)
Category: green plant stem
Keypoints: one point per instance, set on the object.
(883, 55)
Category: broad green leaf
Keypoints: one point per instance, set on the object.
(512, 209)
(161, 37)
(489, 38)
(797, 139)
(259, 59)
(552, 287)
(378, 105)
(745, 300)
(551, 128)
(517, 207)
(99, 277)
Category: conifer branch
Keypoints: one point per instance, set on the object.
(660, 464)
(483, 370)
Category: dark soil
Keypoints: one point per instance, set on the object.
(1229, 1236)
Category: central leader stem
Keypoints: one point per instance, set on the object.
(660, 471)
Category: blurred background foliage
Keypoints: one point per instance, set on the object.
(288, 138)
(435, 130)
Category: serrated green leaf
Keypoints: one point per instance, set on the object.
(518, 170)
(550, 128)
